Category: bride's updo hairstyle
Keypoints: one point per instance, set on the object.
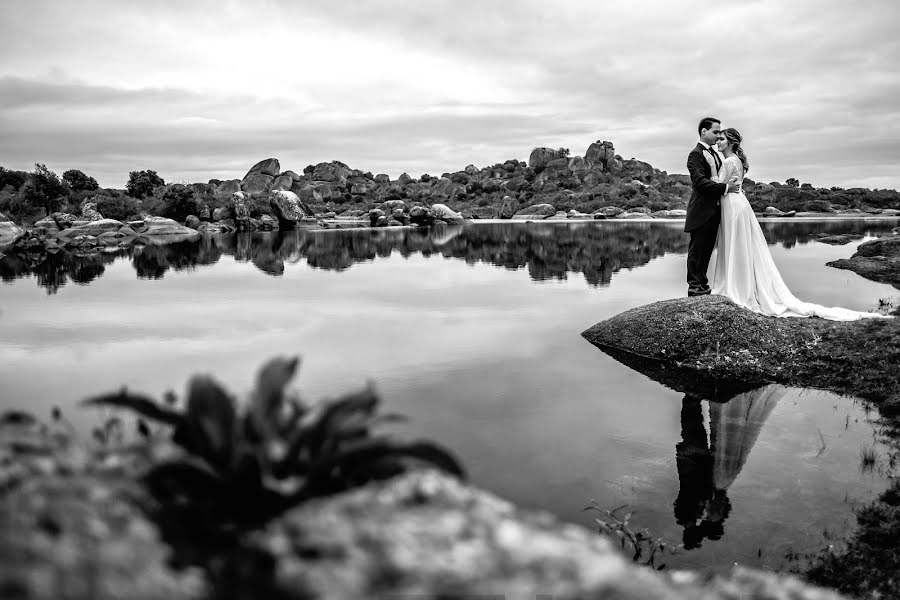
(734, 140)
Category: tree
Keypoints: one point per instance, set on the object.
(141, 183)
(16, 179)
(179, 202)
(792, 182)
(44, 189)
(563, 152)
(79, 182)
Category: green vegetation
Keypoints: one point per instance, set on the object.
(605, 180)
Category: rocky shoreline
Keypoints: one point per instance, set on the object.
(75, 522)
(711, 346)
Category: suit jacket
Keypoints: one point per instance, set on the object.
(705, 195)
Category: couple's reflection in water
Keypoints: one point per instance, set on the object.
(709, 462)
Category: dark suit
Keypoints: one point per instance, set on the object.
(702, 220)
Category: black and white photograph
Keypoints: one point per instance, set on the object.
(449, 300)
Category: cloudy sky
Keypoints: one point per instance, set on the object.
(196, 89)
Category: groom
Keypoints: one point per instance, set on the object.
(703, 211)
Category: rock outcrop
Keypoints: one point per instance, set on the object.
(9, 231)
(537, 211)
(289, 209)
(878, 260)
(711, 345)
(71, 526)
(268, 166)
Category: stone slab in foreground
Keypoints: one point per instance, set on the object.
(711, 346)
(71, 527)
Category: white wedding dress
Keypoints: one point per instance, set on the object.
(742, 267)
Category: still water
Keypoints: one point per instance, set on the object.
(474, 334)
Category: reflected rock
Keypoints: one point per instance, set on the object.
(9, 231)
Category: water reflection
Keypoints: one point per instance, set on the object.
(708, 464)
(596, 250)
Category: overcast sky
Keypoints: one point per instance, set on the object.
(196, 89)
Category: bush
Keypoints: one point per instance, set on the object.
(14, 179)
(141, 183)
(179, 202)
(78, 181)
(117, 208)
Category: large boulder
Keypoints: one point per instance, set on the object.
(426, 535)
(9, 231)
(539, 157)
(578, 164)
(878, 260)
(269, 166)
(93, 228)
(394, 204)
(282, 182)
(163, 230)
(711, 346)
(446, 188)
(445, 213)
(508, 207)
(192, 222)
(288, 209)
(600, 152)
(89, 211)
(227, 188)
(331, 171)
(257, 183)
(241, 210)
(558, 164)
(536, 211)
(608, 212)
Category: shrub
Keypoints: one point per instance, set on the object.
(120, 208)
(141, 183)
(179, 202)
(78, 181)
(14, 179)
(240, 465)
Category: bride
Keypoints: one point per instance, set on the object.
(742, 268)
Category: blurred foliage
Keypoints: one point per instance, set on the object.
(240, 465)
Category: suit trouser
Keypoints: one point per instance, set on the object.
(703, 240)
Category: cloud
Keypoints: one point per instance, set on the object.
(205, 90)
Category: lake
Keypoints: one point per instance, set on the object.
(474, 333)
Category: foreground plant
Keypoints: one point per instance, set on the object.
(237, 466)
(644, 547)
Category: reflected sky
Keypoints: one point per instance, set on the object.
(486, 359)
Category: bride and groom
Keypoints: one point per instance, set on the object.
(719, 217)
